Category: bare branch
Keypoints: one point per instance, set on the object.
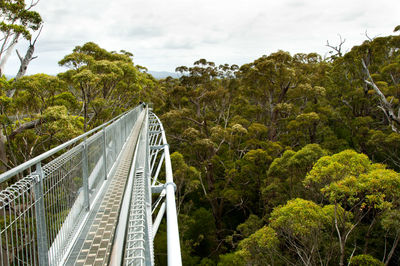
(385, 105)
(338, 48)
(369, 38)
(352, 254)
(19, 55)
(33, 4)
(40, 31)
(25, 126)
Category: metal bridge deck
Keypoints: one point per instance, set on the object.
(94, 243)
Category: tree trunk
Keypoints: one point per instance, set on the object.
(23, 67)
(341, 259)
(395, 243)
(3, 153)
(25, 61)
(8, 52)
(84, 102)
(367, 236)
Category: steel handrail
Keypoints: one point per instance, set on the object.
(12, 172)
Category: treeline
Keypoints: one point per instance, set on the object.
(287, 160)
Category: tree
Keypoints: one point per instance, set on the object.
(267, 81)
(304, 227)
(18, 20)
(105, 82)
(35, 93)
(385, 105)
(365, 260)
(391, 223)
(257, 249)
(350, 181)
(185, 177)
(286, 173)
(245, 188)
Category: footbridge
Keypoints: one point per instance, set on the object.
(96, 200)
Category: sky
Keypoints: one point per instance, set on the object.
(165, 34)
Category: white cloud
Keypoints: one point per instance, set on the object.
(164, 34)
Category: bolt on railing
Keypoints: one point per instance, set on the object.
(42, 212)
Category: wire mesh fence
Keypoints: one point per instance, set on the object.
(41, 213)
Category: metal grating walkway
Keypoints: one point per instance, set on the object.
(95, 241)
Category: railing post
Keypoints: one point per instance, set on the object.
(85, 176)
(125, 133)
(104, 152)
(121, 134)
(41, 228)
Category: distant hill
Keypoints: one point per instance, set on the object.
(163, 74)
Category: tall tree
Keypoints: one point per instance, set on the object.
(267, 81)
(18, 21)
(106, 82)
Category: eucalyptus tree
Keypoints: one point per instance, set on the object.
(18, 21)
(285, 175)
(266, 82)
(39, 116)
(366, 191)
(105, 82)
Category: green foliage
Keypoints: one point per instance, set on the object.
(199, 231)
(365, 260)
(286, 174)
(299, 219)
(37, 92)
(231, 259)
(18, 19)
(337, 167)
(252, 224)
(258, 249)
(99, 78)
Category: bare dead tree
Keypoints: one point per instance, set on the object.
(25, 62)
(28, 56)
(10, 39)
(338, 48)
(385, 105)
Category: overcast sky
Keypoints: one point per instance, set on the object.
(165, 34)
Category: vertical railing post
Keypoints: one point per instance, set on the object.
(121, 134)
(41, 228)
(85, 176)
(122, 131)
(114, 141)
(104, 152)
(125, 133)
